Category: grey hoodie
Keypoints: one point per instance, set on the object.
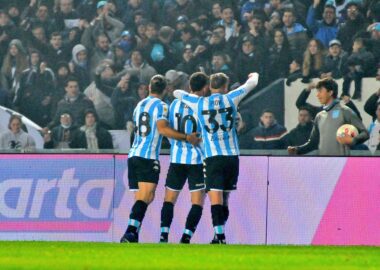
(21, 140)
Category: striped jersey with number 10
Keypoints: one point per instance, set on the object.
(217, 114)
(147, 142)
(183, 119)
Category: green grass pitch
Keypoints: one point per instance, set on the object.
(67, 255)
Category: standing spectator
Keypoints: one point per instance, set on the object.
(100, 92)
(35, 95)
(138, 67)
(326, 29)
(65, 17)
(231, 26)
(267, 135)
(279, 57)
(37, 14)
(190, 59)
(370, 105)
(15, 62)
(295, 71)
(101, 52)
(175, 80)
(361, 63)
(80, 67)
(74, 102)
(219, 64)
(8, 32)
(248, 60)
(15, 137)
(374, 132)
(301, 133)
(91, 135)
(296, 33)
(312, 60)
(335, 63)
(60, 136)
(124, 99)
(355, 24)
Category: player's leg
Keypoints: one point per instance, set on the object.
(194, 216)
(139, 168)
(167, 213)
(217, 213)
(197, 191)
(175, 180)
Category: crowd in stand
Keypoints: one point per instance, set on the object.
(79, 67)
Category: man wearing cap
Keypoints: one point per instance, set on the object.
(324, 30)
(354, 24)
(335, 62)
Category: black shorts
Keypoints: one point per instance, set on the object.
(221, 173)
(178, 173)
(142, 170)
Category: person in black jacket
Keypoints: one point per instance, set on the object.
(302, 102)
(301, 133)
(60, 136)
(370, 105)
(91, 135)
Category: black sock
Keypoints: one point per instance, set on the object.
(218, 220)
(167, 213)
(226, 213)
(193, 219)
(137, 215)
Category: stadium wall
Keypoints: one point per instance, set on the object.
(280, 200)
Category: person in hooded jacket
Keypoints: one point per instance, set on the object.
(79, 66)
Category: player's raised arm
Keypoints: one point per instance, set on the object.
(238, 94)
(187, 98)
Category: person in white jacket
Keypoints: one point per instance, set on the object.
(15, 137)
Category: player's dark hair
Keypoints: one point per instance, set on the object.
(157, 84)
(198, 81)
(330, 85)
(218, 80)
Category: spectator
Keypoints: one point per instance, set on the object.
(65, 17)
(138, 67)
(335, 63)
(230, 24)
(79, 66)
(100, 92)
(171, 11)
(8, 32)
(279, 57)
(312, 60)
(5, 99)
(248, 60)
(124, 99)
(62, 74)
(295, 71)
(74, 102)
(326, 29)
(15, 137)
(219, 63)
(15, 62)
(374, 132)
(35, 95)
(355, 24)
(91, 135)
(361, 63)
(101, 52)
(370, 105)
(374, 41)
(175, 80)
(296, 33)
(301, 133)
(267, 135)
(60, 136)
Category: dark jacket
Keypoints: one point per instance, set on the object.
(348, 30)
(246, 64)
(299, 135)
(104, 139)
(264, 138)
(58, 134)
(76, 109)
(336, 65)
(370, 105)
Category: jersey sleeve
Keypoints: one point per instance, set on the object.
(188, 99)
(163, 112)
(238, 94)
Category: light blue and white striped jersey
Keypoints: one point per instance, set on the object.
(183, 119)
(147, 142)
(217, 114)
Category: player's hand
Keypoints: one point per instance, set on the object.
(292, 150)
(345, 140)
(193, 138)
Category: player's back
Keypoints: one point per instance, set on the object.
(183, 119)
(147, 140)
(217, 114)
